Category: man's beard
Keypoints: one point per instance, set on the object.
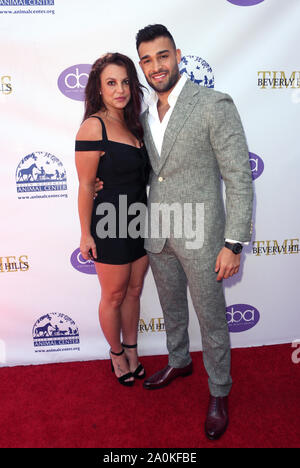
(164, 87)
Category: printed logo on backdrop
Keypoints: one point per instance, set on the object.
(278, 79)
(257, 165)
(245, 2)
(41, 175)
(72, 81)
(241, 317)
(12, 264)
(5, 85)
(26, 7)
(82, 265)
(275, 247)
(197, 70)
(154, 325)
(26, 2)
(55, 332)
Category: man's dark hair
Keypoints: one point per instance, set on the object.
(151, 32)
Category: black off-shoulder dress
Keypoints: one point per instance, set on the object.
(124, 170)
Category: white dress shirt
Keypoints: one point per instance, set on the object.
(158, 127)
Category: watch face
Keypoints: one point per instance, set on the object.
(237, 248)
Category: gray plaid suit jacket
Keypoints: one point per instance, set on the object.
(203, 142)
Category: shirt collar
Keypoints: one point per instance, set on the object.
(173, 96)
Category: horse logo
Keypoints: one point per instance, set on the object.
(42, 173)
(53, 330)
(28, 172)
(43, 331)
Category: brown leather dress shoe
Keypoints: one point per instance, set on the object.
(165, 376)
(217, 417)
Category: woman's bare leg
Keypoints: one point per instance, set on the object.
(114, 280)
(130, 309)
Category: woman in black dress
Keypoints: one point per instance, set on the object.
(109, 145)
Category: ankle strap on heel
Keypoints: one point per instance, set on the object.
(129, 345)
(117, 354)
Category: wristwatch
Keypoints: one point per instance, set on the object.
(235, 248)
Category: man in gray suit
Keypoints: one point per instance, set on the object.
(194, 136)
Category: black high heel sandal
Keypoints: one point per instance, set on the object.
(124, 378)
(136, 374)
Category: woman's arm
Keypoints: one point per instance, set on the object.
(86, 165)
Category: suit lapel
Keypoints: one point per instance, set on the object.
(181, 112)
(150, 145)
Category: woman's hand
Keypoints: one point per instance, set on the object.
(87, 244)
(98, 186)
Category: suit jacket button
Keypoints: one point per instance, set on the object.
(160, 179)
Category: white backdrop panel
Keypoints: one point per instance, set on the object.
(39, 284)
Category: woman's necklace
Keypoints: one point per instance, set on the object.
(109, 116)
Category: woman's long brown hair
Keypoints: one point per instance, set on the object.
(93, 98)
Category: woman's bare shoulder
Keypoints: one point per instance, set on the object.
(90, 130)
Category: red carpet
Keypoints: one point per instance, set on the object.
(77, 405)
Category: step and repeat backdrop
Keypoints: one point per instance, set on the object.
(49, 294)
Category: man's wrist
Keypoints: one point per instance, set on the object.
(235, 247)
